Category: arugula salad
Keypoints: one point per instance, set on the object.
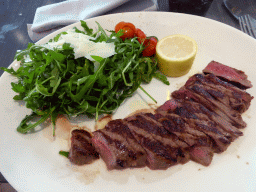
(61, 78)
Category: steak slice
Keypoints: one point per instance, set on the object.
(186, 111)
(232, 114)
(220, 142)
(188, 94)
(203, 113)
(82, 151)
(181, 139)
(117, 146)
(162, 151)
(209, 136)
(232, 75)
(238, 93)
(235, 98)
(195, 139)
(176, 125)
(195, 110)
(201, 154)
(161, 132)
(168, 105)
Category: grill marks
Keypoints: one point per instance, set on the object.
(203, 118)
(118, 147)
(200, 96)
(163, 148)
(82, 151)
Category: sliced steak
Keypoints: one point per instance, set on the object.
(198, 111)
(201, 154)
(203, 117)
(82, 151)
(208, 134)
(176, 125)
(232, 75)
(209, 103)
(203, 113)
(185, 110)
(220, 142)
(235, 98)
(117, 146)
(232, 114)
(238, 93)
(195, 139)
(162, 151)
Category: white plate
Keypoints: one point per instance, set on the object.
(32, 163)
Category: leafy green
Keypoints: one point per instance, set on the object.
(64, 153)
(52, 82)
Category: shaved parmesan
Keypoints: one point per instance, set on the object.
(83, 46)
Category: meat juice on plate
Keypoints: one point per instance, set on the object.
(88, 173)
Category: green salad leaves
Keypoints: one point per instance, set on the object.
(53, 82)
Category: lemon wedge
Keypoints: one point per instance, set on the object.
(176, 54)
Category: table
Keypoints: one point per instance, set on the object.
(16, 14)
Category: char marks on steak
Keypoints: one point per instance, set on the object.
(118, 147)
(230, 96)
(200, 96)
(163, 149)
(82, 151)
(203, 113)
(202, 118)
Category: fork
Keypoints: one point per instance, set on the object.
(248, 25)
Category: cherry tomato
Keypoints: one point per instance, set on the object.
(150, 48)
(128, 29)
(128, 33)
(141, 35)
(123, 24)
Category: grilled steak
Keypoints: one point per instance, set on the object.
(117, 146)
(162, 150)
(233, 115)
(236, 92)
(202, 118)
(176, 125)
(201, 154)
(186, 110)
(230, 96)
(203, 113)
(232, 75)
(82, 151)
(210, 103)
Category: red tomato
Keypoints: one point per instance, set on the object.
(150, 48)
(119, 26)
(128, 29)
(128, 33)
(141, 35)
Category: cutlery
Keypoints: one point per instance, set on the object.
(233, 9)
(248, 25)
(246, 22)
